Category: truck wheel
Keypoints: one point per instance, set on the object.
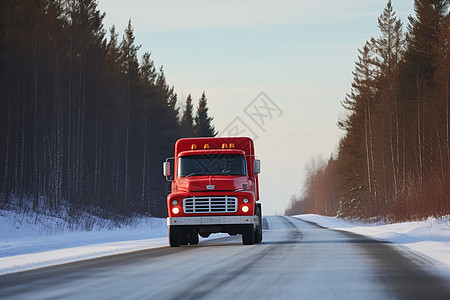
(258, 234)
(193, 238)
(258, 231)
(174, 236)
(248, 235)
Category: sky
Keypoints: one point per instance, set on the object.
(274, 70)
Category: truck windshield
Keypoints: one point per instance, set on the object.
(212, 164)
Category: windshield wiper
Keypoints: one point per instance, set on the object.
(195, 174)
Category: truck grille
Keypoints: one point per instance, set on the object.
(209, 204)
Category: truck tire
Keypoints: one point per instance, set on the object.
(193, 238)
(258, 231)
(174, 236)
(248, 235)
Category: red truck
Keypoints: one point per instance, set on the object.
(214, 189)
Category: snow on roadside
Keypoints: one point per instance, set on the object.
(430, 238)
(23, 262)
(27, 244)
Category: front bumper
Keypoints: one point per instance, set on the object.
(213, 220)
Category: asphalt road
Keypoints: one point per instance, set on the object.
(296, 260)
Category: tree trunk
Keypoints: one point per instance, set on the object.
(6, 179)
(447, 99)
(394, 164)
(419, 132)
(127, 141)
(368, 164)
(36, 141)
(144, 164)
(70, 143)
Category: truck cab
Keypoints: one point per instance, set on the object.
(214, 188)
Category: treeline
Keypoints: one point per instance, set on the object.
(83, 120)
(394, 159)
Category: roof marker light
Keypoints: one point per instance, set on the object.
(231, 146)
(224, 146)
(193, 147)
(206, 146)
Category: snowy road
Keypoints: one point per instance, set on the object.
(296, 260)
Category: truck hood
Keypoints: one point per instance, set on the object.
(212, 183)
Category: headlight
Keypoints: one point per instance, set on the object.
(175, 210)
(174, 202)
(245, 208)
(245, 200)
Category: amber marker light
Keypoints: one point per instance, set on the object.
(206, 146)
(193, 147)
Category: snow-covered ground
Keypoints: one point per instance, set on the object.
(429, 238)
(32, 242)
(37, 241)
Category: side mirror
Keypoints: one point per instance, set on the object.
(166, 168)
(257, 166)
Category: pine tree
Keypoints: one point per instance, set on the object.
(422, 35)
(418, 77)
(203, 126)
(147, 71)
(187, 121)
(130, 70)
(390, 48)
(113, 52)
(391, 43)
(356, 150)
(129, 53)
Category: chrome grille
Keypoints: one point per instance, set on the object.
(210, 204)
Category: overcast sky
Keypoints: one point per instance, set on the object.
(273, 70)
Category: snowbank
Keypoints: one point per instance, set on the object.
(29, 242)
(430, 238)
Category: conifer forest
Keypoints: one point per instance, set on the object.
(393, 161)
(83, 119)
